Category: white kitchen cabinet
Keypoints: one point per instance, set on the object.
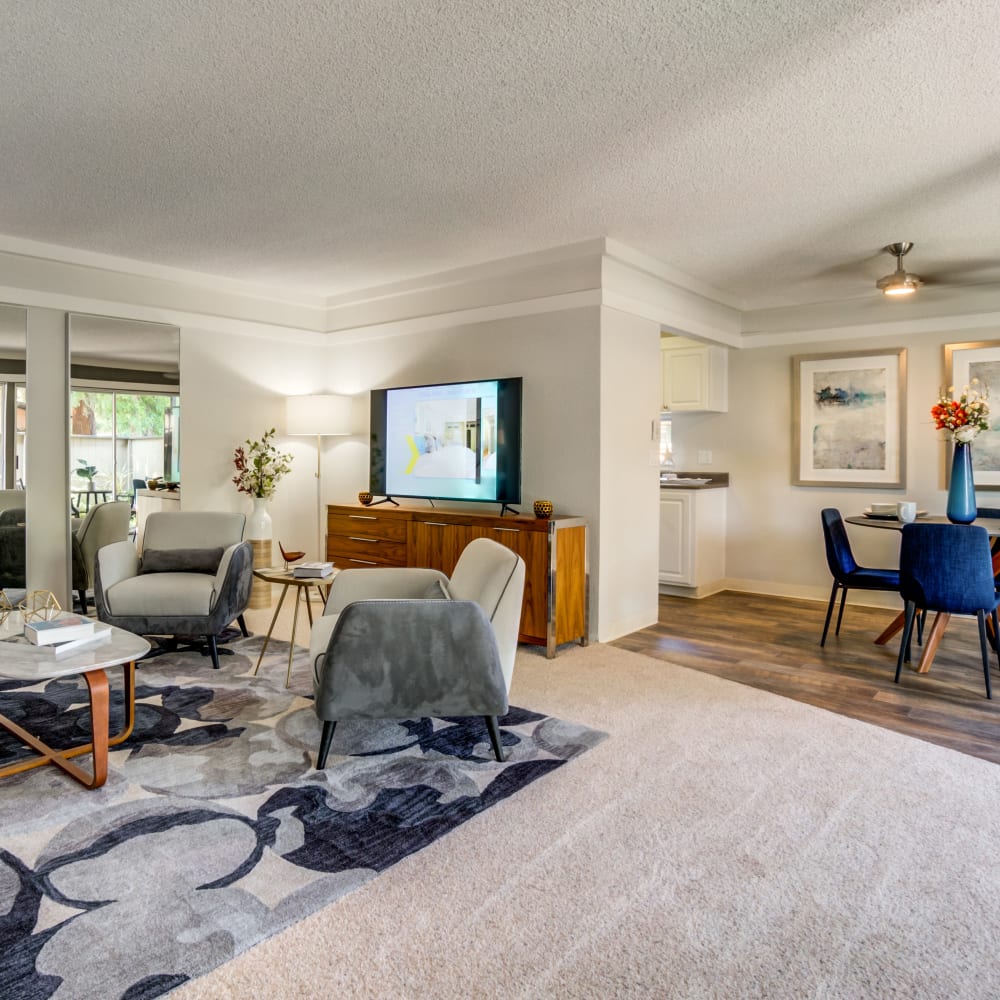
(692, 541)
(695, 375)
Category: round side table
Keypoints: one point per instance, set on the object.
(301, 584)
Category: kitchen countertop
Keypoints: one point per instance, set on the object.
(716, 480)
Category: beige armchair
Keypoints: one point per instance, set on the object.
(193, 579)
(104, 524)
(411, 643)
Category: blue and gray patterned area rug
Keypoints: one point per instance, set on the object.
(214, 831)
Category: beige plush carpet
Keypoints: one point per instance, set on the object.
(722, 842)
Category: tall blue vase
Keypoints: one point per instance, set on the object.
(961, 488)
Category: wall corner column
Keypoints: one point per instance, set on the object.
(47, 530)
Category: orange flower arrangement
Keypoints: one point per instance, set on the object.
(965, 416)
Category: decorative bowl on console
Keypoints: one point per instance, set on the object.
(543, 508)
(364, 498)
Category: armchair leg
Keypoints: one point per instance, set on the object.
(83, 601)
(242, 622)
(213, 649)
(494, 729)
(324, 744)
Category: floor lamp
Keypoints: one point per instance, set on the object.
(322, 416)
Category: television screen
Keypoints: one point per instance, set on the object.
(457, 441)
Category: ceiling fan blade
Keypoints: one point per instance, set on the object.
(970, 272)
(867, 267)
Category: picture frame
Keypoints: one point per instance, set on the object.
(849, 419)
(963, 363)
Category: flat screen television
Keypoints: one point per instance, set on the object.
(454, 441)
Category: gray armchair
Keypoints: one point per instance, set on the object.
(410, 643)
(105, 523)
(194, 577)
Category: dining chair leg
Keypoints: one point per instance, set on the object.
(984, 649)
(829, 612)
(904, 645)
(840, 614)
(996, 632)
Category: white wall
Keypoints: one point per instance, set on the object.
(774, 542)
(233, 387)
(558, 354)
(627, 548)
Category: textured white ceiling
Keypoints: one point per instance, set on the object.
(768, 149)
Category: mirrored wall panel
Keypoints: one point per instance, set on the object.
(125, 400)
(13, 431)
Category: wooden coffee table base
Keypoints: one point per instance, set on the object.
(97, 684)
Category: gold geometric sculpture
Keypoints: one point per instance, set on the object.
(39, 605)
(5, 607)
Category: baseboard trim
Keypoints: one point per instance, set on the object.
(768, 588)
(705, 590)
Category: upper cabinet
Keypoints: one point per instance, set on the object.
(695, 375)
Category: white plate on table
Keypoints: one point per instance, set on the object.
(868, 512)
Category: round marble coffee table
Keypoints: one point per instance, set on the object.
(23, 661)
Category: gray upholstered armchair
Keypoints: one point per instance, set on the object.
(105, 523)
(194, 577)
(410, 643)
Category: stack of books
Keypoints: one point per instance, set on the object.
(65, 633)
(308, 570)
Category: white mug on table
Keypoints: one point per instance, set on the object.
(906, 511)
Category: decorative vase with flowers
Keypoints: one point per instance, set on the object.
(259, 469)
(963, 417)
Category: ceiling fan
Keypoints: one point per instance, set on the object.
(900, 282)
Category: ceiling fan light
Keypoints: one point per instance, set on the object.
(899, 283)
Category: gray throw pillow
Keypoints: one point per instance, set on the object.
(181, 560)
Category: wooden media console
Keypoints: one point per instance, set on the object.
(554, 551)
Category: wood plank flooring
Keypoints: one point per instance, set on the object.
(773, 643)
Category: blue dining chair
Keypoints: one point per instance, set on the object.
(847, 574)
(947, 568)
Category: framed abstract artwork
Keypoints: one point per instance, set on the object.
(849, 419)
(964, 364)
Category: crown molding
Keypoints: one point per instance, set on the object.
(124, 266)
(504, 267)
(955, 308)
(19, 297)
(76, 286)
(412, 325)
(593, 272)
(656, 268)
(677, 309)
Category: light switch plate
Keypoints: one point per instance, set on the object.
(704, 458)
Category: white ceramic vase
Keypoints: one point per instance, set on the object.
(259, 521)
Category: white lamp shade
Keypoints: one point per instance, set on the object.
(315, 415)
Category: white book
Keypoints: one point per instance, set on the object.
(101, 633)
(62, 629)
(313, 569)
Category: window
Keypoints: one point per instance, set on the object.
(666, 442)
(116, 437)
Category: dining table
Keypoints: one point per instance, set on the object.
(941, 618)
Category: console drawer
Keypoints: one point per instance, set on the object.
(343, 550)
(367, 526)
